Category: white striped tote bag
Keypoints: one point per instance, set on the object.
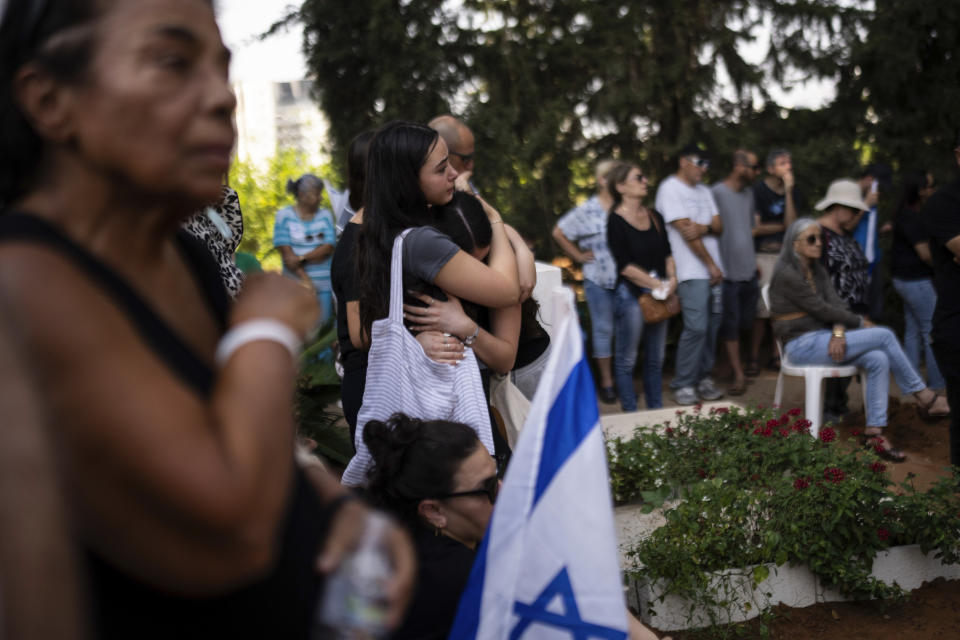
(401, 378)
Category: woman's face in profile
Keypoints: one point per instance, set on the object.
(437, 176)
(468, 516)
(155, 110)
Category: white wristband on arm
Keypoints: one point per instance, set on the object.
(254, 331)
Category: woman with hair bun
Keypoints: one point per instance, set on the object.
(306, 235)
(439, 480)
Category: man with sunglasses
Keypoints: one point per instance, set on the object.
(941, 215)
(738, 209)
(694, 225)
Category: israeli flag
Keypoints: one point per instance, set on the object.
(547, 567)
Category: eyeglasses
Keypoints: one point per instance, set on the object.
(703, 163)
(814, 239)
(466, 157)
(489, 488)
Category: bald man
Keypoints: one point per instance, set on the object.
(459, 139)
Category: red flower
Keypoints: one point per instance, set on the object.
(878, 467)
(772, 422)
(802, 425)
(719, 410)
(834, 475)
(697, 408)
(801, 483)
(785, 432)
(785, 419)
(795, 411)
(855, 432)
(828, 434)
(669, 431)
(680, 412)
(883, 534)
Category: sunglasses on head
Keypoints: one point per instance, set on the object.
(489, 488)
(466, 157)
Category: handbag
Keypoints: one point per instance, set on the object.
(401, 378)
(654, 310)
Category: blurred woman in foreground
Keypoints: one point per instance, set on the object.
(170, 411)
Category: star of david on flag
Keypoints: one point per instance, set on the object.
(547, 567)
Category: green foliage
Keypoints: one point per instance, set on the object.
(262, 193)
(755, 489)
(318, 387)
(549, 87)
(902, 83)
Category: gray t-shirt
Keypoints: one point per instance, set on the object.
(425, 252)
(736, 242)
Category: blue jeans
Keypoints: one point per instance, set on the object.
(919, 300)
(874, 350)
(629, 327)
(600, 302)
(702, 307)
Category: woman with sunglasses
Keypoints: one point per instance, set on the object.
(816, 327)
(305, 235)
(637, 239)
(441, 483)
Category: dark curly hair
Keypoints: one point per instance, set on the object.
(414, 460)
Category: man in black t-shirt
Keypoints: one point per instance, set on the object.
(941, 215)
(778, 202)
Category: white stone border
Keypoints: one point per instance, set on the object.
(793, 586)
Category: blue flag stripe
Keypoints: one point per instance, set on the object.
(573, 415)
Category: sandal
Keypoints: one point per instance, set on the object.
(875, 442)
(925, 409)
(752, 369)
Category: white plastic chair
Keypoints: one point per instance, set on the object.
(813, 375)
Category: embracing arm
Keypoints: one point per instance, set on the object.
(526, 263)
(466, 277)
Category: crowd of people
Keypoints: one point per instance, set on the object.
(725, 243)
(170, 460)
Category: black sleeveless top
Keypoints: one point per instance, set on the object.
(279, 605)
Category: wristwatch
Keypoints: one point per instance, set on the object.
(839, 333)
(469, 340)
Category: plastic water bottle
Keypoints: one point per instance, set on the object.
(354, 604)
